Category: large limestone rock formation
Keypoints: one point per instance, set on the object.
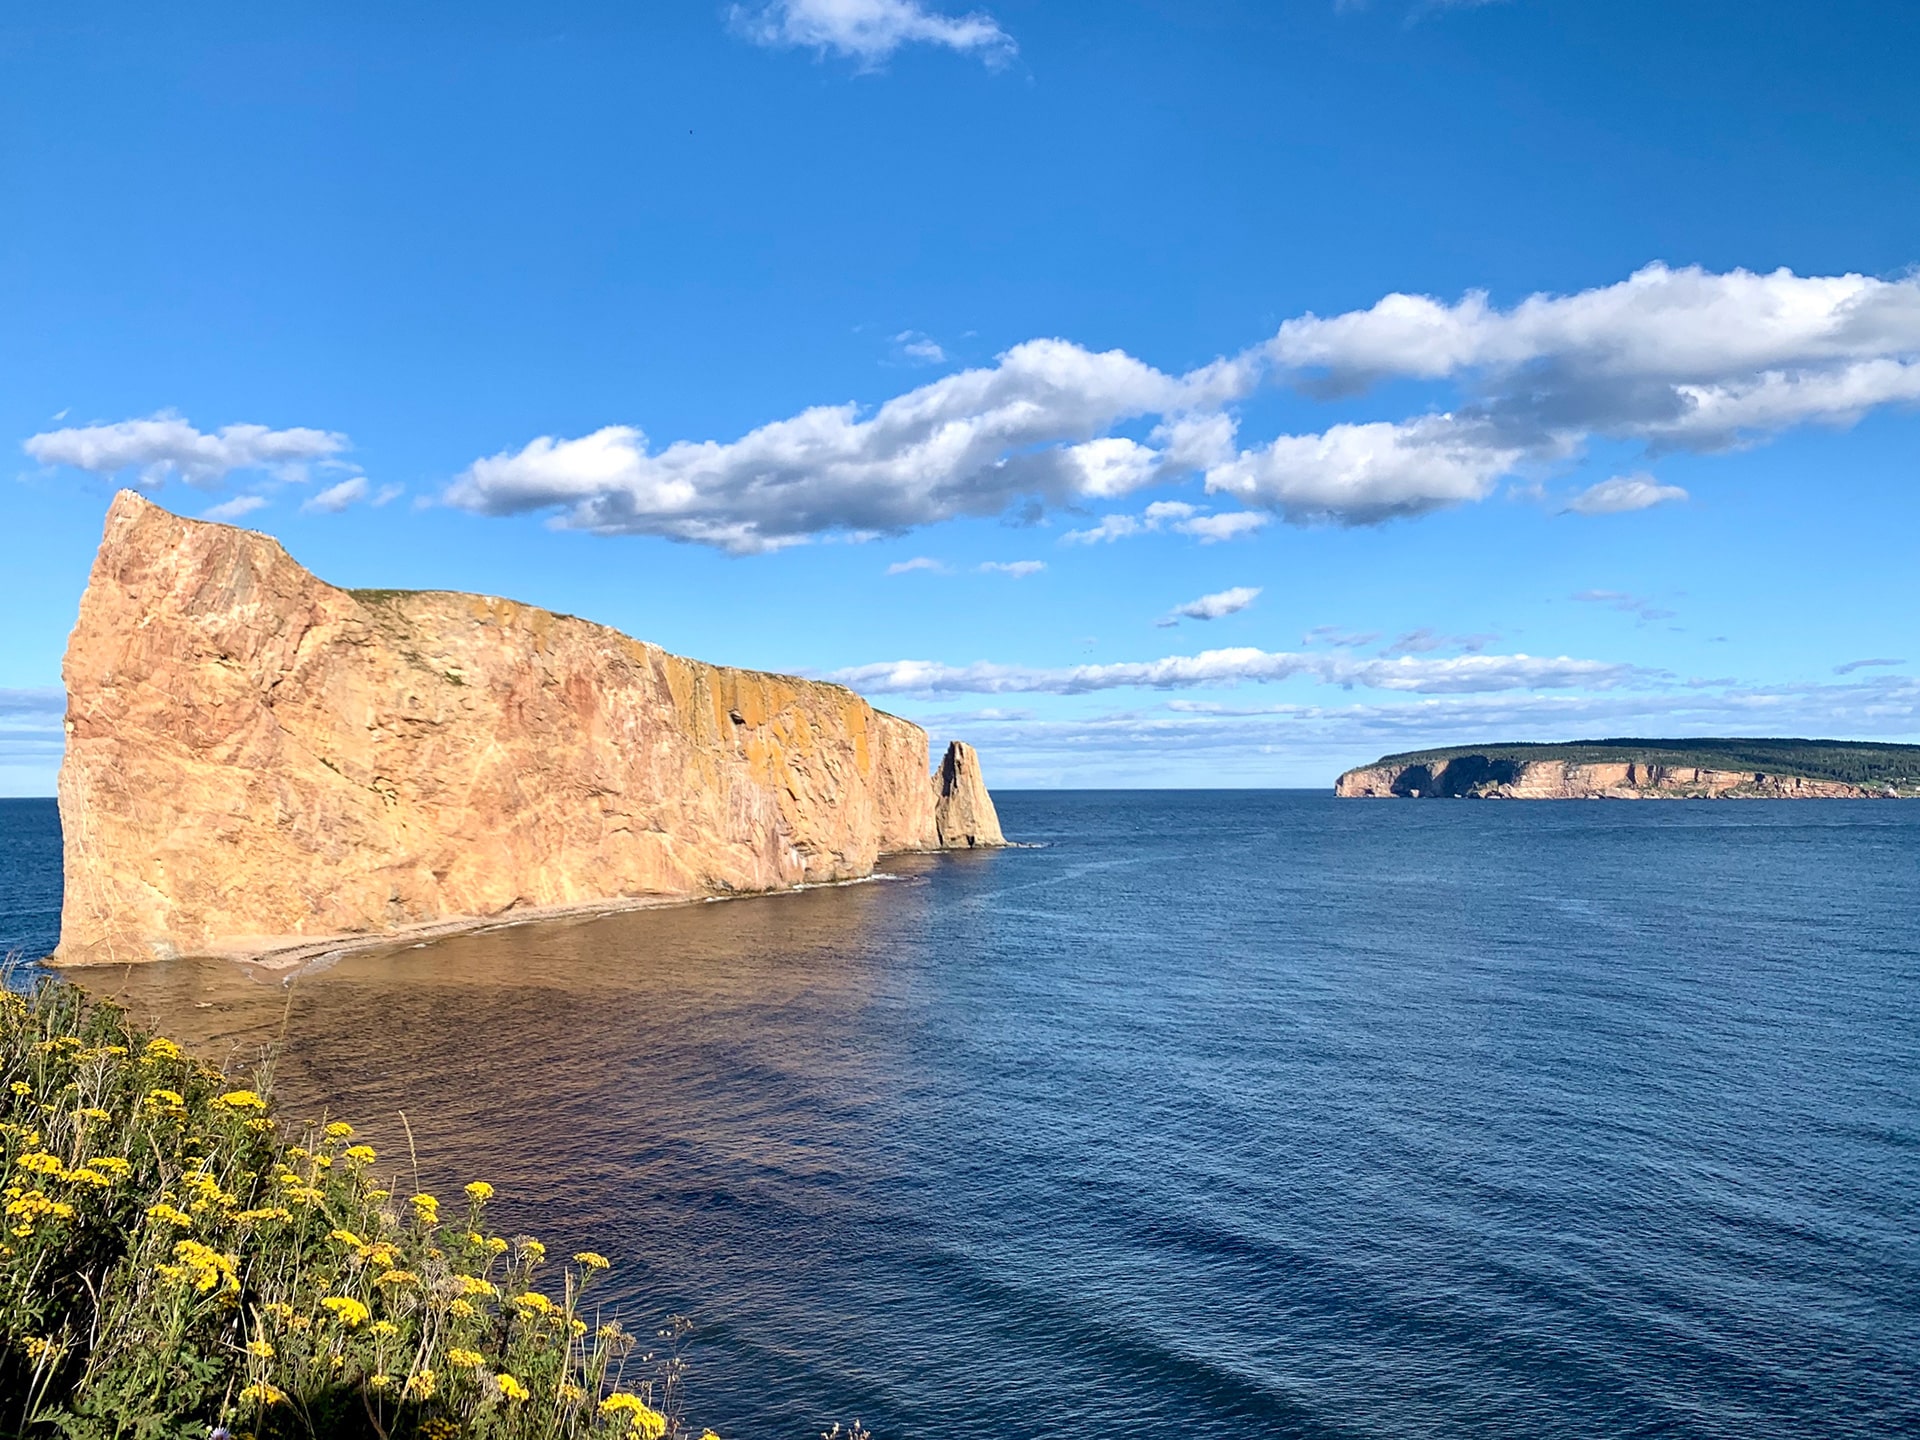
(963, 813)
(258, 763)
(1476, 777)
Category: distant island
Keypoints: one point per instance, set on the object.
(1706, 769)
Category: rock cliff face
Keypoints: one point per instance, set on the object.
(259, 763)
(1479, 778)
(963, 813)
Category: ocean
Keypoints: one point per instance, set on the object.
(1213, 1114)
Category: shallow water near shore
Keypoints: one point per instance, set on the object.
(1237, 1113)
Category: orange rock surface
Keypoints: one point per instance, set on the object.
(1570, 780)
(260, 764)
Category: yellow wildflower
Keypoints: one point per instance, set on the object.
(42, 1163)
(21, 1088)
(165, 1099)
(111, 1165)
(31, 1205)
(569, 1394)
(427, 1208)
(259, 1349)
(261, 1394)
(379, 1382)
(419, 1386)
(385, 1329)
(350, 1312)
(592, 1259)
(169, 1214)
(496, 1246)
(92, 1113)
(533, 1303)
(161, 1048)
(39, 1349)
(647, 1421)
(398, 1277)
(532, 1249)
(207, 1267)
(346, 1237)
(339, 1130)
(278, 1310)
(465, 1359)
(479, 1191)
(360, 1154)
(474, 1285)
(241, 1100)
(511, 1388)
(460, 1309)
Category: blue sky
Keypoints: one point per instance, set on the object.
(1445, 371)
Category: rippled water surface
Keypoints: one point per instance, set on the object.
(1250, 1113)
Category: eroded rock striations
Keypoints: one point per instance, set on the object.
(259, 763)
(1477, 777)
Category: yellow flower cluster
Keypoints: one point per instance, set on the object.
(207, 1267)
(347, 1310)
(287, 1267)
(644, 1420)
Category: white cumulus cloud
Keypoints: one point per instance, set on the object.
(165, 446)
(1667, 359)
(918, 562)
(1214, 606)
(973, 443)
(1018, 569)
(1357, 474)
(233, 509)
(1174, 515)
(1623, 493)
(870, 30)
(919, 349)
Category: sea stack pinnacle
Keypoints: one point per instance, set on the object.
(963, 813)
(259, 763)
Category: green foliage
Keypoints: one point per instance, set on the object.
(1854, 762)
(381, 597)
(169, 1261)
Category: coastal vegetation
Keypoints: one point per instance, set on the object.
(1852, 762)
(171, 1261)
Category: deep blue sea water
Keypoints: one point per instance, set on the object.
(1221, 1115)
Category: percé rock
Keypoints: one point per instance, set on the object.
(1478, 778)
(963, 813)
(261, 764)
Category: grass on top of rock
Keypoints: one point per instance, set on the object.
(170, 1261)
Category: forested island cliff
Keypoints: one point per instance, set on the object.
(1711, 769)
(260, 764)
